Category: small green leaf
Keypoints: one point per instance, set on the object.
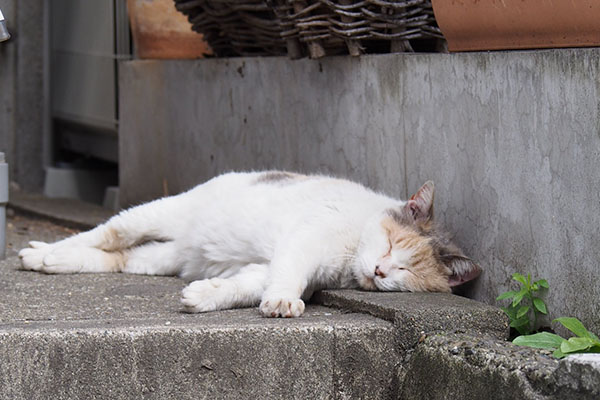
(510, 311)
(594, 337)
(535, 287)
(506, 310)
(543, 283)
(506, 295)
(542, 340)
(558, 354)
(574, 325)
(522, 311)
(519, 278)
(523, 329)
(540, 305)
(576, 344)
(519, 296)
(519, 322)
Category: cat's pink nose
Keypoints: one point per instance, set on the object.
(378, 272)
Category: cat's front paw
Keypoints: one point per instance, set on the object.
(281, 307)
(205, 295)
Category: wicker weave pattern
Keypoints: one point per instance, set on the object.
(235, 27)
(313, 27)
(336, 26)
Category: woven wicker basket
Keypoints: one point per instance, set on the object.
(235, 27)
(310, 27)
(355, 26)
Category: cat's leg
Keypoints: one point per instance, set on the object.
(282, 298)
(241, 290)
(76, 259)
(154, 258)
(157, 220)
(73, 251)
(292, 268)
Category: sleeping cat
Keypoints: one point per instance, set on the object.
(269, 238)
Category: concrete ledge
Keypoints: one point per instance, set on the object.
(416, 313)
(580, 373)
(225, 355)
(122, 336)
(68, 212)
(463, 366)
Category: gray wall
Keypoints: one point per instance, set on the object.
(7, 78)
(512, 140)
(22, 92)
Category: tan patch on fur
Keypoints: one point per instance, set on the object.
(115, 260)
(427, 273)
(279, 177)
(111, 239)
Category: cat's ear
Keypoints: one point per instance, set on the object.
(420, 205)
(462, 269)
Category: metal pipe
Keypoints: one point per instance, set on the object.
(3, 203)
(4, 35)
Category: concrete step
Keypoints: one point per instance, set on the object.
(232, 354)
(416, 314)
(124, 336)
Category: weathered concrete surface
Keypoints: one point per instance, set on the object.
(230, 355)
(580, 373)
(511, 140)
(417, 313)
(463, 366)
(67, 212)
(22, 92)
(122, 336)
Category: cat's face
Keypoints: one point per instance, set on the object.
(401, 250)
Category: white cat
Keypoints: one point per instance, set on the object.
(270, 238)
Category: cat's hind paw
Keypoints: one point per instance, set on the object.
(281, 307)
(32, 258)
(67, 260)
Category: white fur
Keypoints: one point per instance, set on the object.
(240, 240)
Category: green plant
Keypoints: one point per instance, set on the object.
(584, 341)
(520, 314)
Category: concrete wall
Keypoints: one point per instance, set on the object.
(512, 140)
(7, 77)
(22, 92)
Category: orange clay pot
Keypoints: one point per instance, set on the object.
(518, 24)
(160, 31)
